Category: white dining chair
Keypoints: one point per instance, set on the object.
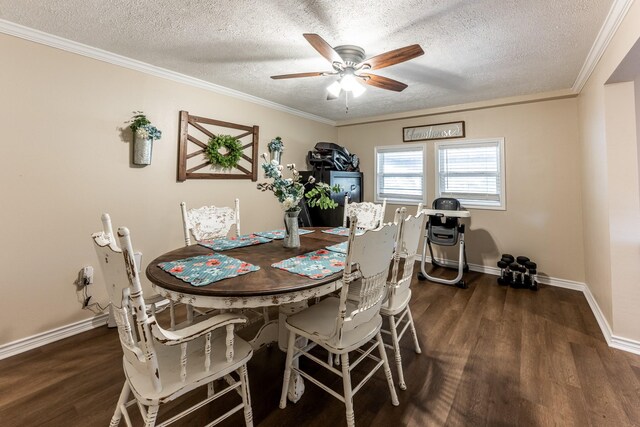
(152, 301)
(396, 307)
(161, 365)
(341, 326)
(209, 222)
(370, 215)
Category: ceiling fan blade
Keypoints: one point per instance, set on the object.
(323, 47)
(393, 57)
(331, 97)
(297, 75)
(383, 82)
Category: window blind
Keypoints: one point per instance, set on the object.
(400, 173)
(471, 172)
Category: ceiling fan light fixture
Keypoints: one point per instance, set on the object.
(348, 82)
(334, 89)
(357, 89)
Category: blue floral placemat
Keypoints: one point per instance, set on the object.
(341, 231)
(316, 264)
(204, 269)
(234, 242)
(340, 247)
(279, 234)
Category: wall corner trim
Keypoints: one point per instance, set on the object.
(614, 18)
(30, 34)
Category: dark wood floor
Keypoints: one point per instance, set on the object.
(491, 356)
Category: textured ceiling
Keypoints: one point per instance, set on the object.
(474, 50)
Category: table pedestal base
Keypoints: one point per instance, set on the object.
(267, 334)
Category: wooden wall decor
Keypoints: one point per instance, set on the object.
(195, 132)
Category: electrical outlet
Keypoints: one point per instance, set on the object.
(87, 275)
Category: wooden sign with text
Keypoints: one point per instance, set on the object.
(435, 131)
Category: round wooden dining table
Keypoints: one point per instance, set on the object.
(268, 286)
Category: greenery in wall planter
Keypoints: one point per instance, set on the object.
(232, 156)
(144, 133)
(276, 144)
(141, 126)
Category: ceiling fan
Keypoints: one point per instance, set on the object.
(350, 65)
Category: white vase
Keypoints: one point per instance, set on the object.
(142, 148)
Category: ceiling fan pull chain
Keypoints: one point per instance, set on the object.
(346, 101)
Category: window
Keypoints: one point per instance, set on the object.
(400, 173)
(472, 172)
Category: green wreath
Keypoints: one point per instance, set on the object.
(228, 160)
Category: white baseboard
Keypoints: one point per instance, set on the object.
(35, 341)
(614, 341)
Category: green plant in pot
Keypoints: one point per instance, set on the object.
(144, 134)
(290, 191)
(276, 147)
(230, 158)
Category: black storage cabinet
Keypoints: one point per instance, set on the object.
(350, 183)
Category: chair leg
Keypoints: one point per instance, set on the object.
(189, 314)
(246, 396)
(287, 369)
(210, 389)
(152, 414)
(413, 331)
(124, 397)
(387, 370)
(348, 392)
(396, 351)
(265, 314)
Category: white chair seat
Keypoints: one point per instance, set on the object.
(172, 384)
(319, 322)
(400, 302)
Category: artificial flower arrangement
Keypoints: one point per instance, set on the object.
(290, 191)
(141, 126)
(276, 144)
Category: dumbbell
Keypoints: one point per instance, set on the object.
(505, 272)
(516, 275)
(521, 279)
(532, 271)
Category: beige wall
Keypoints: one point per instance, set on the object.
(543, 217)
(610, 176)
(64, 162)
(624, 209)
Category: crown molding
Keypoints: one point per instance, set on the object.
(26, 33)
(618, 11)
(461, 108)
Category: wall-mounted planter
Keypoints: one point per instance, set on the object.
(142, 148)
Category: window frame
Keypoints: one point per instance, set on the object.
(401, 147)
(474, 204)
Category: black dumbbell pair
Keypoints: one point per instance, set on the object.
(517, 272)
